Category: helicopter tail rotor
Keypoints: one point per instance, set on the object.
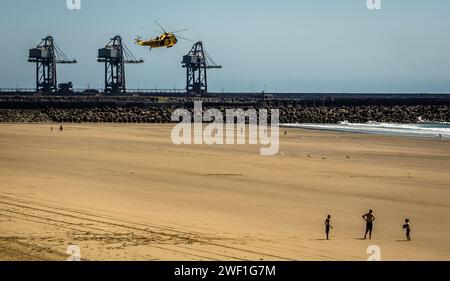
(138, 39)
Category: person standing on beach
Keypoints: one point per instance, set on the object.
(328, 226)
(369, 218)
(407, 228)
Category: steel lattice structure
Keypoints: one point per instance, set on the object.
(46, 55)
(115, 55)
(196, 62)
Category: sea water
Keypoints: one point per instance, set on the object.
(420, 129)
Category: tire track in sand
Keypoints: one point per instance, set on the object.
(129, 232)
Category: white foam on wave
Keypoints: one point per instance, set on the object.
(422, 129)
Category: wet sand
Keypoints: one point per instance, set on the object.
(125, 192)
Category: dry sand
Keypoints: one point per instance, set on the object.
(124, 192)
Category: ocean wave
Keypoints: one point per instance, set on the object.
(421, 129)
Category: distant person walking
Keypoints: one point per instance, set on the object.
(407, 229)
(328, 226)
(369, 218)
(61, 128)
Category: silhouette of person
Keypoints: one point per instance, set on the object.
(328, 226)
(369, 218)
(61, 128)
(407, 229)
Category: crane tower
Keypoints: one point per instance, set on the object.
(115, 55)
(196, 62)
(46, 55)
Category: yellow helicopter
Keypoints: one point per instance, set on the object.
(166, 39)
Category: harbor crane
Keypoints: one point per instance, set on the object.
(46, 55)
(196, 62)
(115, 55)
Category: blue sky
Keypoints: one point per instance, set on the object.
(283, 46)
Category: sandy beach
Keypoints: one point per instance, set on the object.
(125, 192)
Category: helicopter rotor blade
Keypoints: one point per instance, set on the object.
(185, 39)
(180, 30)
(160, 26)
(149, 29)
